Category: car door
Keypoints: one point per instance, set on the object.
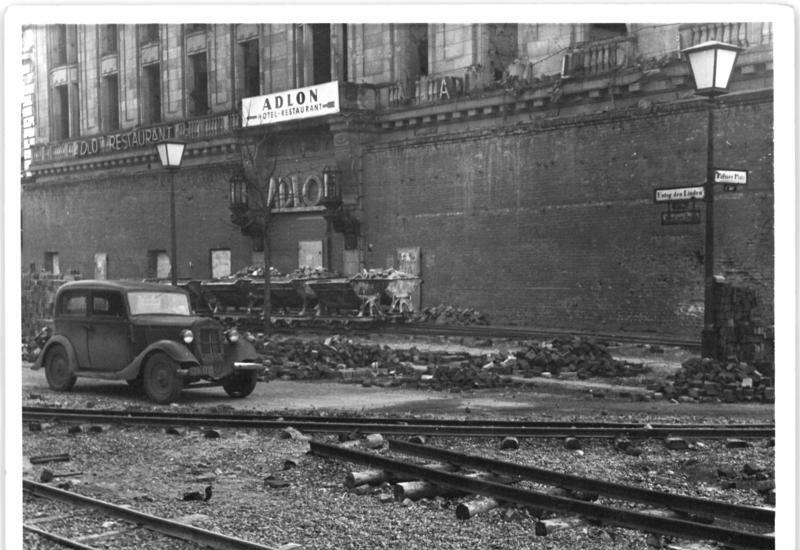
(72, 322)
(109, 336)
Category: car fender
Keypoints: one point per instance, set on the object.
(241, 351)
(178, 352)
(58, 339)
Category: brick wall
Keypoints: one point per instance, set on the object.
(127, 215)
(553, 223)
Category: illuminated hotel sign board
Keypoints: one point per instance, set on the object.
(312, 101)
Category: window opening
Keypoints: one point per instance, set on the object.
(251, 85)
(109, 101)
(419, 35)
(108, 39)
(58, 45)
(321, 53)
(151, 84)
(198, 96)
(51, 264)
(148, 34)
(158, 265)
(60, 112)
(602, 31)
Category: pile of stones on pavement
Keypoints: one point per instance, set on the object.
(338, 358)
(341, 358)
(711, 380)
(445, 314)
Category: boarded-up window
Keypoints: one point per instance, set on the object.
(309, 254)
(158, 264)
(220, 263)
(101, 266)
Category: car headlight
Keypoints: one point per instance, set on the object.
(188, 336)
(233, 336)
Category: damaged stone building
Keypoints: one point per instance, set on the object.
(513, 166)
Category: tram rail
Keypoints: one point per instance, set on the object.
(429, 427)
(638, 520)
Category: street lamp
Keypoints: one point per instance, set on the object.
(170, 153)
(711, 64)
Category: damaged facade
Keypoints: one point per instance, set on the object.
(514, 166)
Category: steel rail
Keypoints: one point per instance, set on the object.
(328, 324)
(393, 420)
(608, 515)
(63, 541)
(420, 429)
(489, 331)
(751, 514)
(162, 525)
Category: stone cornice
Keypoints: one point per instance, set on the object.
(546, 121)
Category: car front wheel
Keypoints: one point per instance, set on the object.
(161, 381)
(240, 384)
(57, 371)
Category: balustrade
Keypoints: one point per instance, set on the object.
(599, 57)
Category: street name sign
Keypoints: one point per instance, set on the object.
(679, 194)
(730, 177)
(680, 218)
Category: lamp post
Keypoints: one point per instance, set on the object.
(170, 153)
(711, 64)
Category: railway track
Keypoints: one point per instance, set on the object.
(761, 520)
(523, 333)
(430, 427)
(99, 512)
(290, 324)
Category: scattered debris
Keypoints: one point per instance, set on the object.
(44, 459)
(197, 495)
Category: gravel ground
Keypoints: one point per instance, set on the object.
(150, 470)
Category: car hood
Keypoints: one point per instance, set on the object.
(172, 321)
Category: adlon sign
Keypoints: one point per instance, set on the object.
(308, 102)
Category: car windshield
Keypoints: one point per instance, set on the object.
(170, 303)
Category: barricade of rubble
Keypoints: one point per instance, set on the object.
(444, 314)
(585, 357)
(711, 380)
(341, 358)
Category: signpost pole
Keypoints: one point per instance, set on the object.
(709, 336)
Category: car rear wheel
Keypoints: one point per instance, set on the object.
(57, 371)
(161, 381)
(240, 384)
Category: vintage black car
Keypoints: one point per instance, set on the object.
(145, 334)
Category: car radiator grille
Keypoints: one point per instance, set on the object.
(209, 343)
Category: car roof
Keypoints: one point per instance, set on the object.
(126, 286)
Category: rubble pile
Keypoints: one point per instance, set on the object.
(381, 274)
(341, 358)
(711, 380)
(306, 272)
(739, 331)
(253, 271)
(587, 358)
(444, 314)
